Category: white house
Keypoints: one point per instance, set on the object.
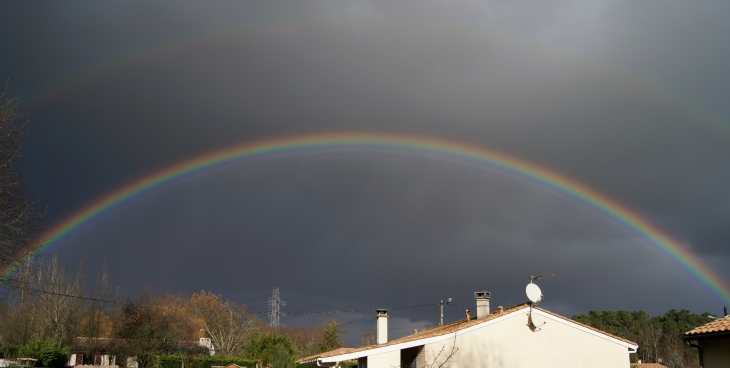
(520, 336)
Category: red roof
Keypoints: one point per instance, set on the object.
(717, 326)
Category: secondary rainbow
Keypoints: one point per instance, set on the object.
(630, 81)
(430, 148)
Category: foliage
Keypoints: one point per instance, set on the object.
(270, 346)
(280, 357)
(312, 340)
(49, 352)
(333, 334)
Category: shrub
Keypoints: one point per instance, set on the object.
(50, 353)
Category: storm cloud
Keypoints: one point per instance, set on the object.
(627, 98)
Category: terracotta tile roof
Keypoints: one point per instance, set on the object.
(648, 365)
(451, 328)
(717, 326)
(432, 332)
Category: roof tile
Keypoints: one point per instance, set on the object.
(717, 326)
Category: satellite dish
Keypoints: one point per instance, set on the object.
(535, 320)
(533, 293)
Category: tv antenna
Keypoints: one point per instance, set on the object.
(540, 277)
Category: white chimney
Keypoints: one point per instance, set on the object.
(482, 298)
(382, 331)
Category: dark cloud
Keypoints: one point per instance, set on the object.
(628, 98)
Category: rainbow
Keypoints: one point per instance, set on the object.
(431, 148)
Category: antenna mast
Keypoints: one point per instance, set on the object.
(275, 305)
(540, 277)
(441, 304)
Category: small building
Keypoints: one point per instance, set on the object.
(94, 351)
(712, 341)
(101, 352)
(520, 336)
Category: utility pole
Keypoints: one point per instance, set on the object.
(441, 304)
(275, 305)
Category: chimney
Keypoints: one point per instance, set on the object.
(482, 298)
(382, 328)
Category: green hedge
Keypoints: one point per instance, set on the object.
(174, 361)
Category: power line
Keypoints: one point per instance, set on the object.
(354, 311)
(67, 295)
(268, 312)
(456, 305)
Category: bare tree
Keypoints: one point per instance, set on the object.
(19, 220)
(152, 325)
(97, 323)
(59, 315)
(444, 356)
(18, 322)
(440, 359)
(649, 336)
(368, 338)
(40, 306)
(227, 324)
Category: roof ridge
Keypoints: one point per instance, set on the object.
(459, 325)
(586, 326)
(438, 330)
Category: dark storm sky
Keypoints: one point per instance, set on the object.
(629, 98)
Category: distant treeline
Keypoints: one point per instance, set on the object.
(659, 338)
(48, 313)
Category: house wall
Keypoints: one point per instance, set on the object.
(386, 360)
(512, 343)
(716, 353)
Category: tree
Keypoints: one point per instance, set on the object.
(227, 324)
(306, 340)
(268, 346)
(39, 307)
(97, 323)
(332, 336)
(368, 338)
(280, 357)
(152, 326)
(19, 219)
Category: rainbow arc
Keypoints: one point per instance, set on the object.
(430, 148)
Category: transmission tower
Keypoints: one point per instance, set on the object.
(275, 305)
